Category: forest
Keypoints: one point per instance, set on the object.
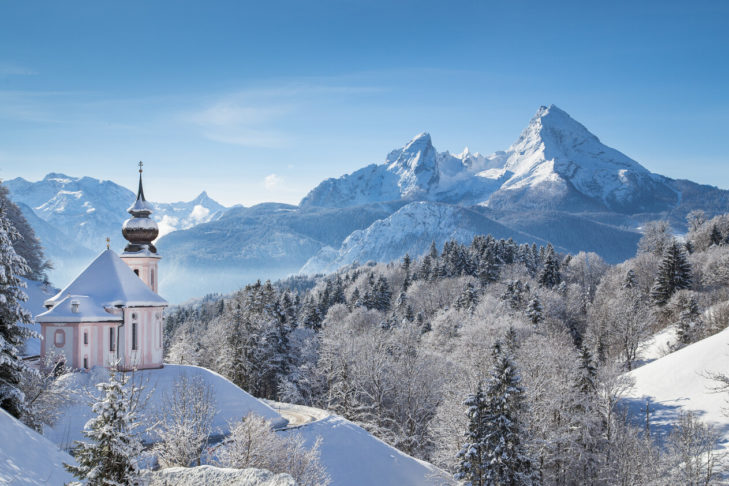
(450, 355)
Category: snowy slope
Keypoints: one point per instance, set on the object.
(231, 402)
(354, 457)
(28, 458)
(678, 382)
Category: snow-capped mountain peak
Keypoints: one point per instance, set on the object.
(557, 158)
(416, 164)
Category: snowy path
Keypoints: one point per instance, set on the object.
(297, 415)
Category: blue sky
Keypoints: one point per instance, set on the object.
(260, 101)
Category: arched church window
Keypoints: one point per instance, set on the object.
(59, 338)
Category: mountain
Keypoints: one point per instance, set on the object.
(411, 229)
(556, 162)
(557, 182)
(73, 216)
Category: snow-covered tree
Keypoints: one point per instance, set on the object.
(534, 311)
(46, 393)
(12, 318)
(674, 274)
(473, 455)
(495, 452)
(550, 275)
(185, 421)
(109, 457)
(252, 443)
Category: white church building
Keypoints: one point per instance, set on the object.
(111, 313)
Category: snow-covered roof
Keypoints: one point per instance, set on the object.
(79, 308)
(109, 282)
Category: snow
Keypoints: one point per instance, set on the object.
(231, 403)
(27, 458)
(354, 457)
(678, 382)
(658, 345)
(79, 308)
(195, 476)
(108, 282)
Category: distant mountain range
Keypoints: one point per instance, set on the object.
(73, 216)
(556, 183)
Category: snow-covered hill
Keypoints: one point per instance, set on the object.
(231, 402)
(354, 457)
(28, 458)
(351, 455)
(679, 382)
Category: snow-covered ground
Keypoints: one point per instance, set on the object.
(354, 457)
(657, 346)
(29, 458)
(209, 475)
(231, 402)
(678, 382)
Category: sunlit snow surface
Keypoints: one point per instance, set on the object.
(231, 402)
(29, 458)
(678, 382)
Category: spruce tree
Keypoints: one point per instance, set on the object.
(472, 456)
(674, 273)
(12, 316)
(507, 461)
(534, 311)
(715, 236)
(467, 300)
(549, 276)
(494, 453)
(109, 456)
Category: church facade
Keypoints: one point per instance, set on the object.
(111, 313)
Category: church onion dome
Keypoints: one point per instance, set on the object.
(139, 230)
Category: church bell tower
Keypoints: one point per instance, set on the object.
(140, 231)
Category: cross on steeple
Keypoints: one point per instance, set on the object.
(140, 166)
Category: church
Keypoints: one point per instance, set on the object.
(111, 313)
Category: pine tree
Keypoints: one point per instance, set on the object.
(715, 237)
(534, 311)
(506, 457)
(549, 276)
(494, 453)
(109, 457)
(472, 467)
(674, 274)
(12, 315)
(467, 300)
(689, 321)
(406, 264)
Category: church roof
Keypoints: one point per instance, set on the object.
(109, 282)
(79, 308)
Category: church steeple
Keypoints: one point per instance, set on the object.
(139, 230)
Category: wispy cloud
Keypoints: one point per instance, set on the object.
(272, 182)
(255, 117)
(7, 70)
